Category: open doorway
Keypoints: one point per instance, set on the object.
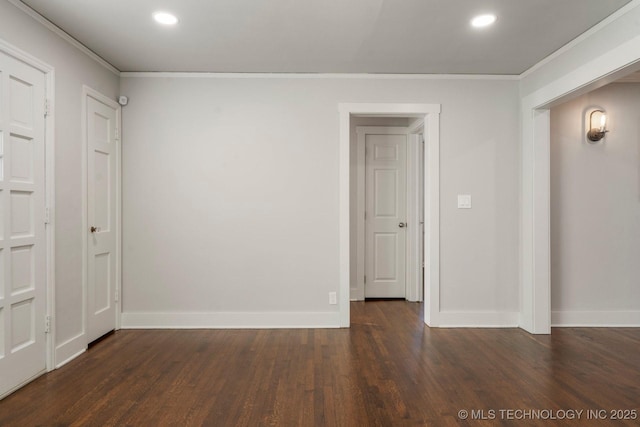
(405, 123)
(595, 207)
(535, 314)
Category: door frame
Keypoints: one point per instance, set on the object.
(430, 114)
(86, 93)
(49, 190)
(412, 264)
(535, 248)
(415, 210)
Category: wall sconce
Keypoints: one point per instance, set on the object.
(597, 126)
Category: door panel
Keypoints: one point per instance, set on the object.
(385, 249)
(385, 201)
(101, 190)
(22, 226)
(102, 285)
(101, 204)
(385, 187)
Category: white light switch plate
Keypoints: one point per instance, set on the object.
(464, 201)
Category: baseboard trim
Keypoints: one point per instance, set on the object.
(231, 320)
(70, 349)
(595, 319)
(477, 319)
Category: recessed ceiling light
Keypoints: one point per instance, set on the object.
(165, 18)
(483, 20)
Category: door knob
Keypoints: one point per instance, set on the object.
(402, 225)
(94, 229)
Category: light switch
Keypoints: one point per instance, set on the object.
(464, 201)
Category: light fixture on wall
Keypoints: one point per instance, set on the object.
(597, 125)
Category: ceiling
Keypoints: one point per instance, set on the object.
(325, 36)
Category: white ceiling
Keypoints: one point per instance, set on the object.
(327, 36)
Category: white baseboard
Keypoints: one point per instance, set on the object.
(70, 349)
(477, 319)
(596, 319)
(230, 320)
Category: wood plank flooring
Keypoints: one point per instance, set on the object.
(388, 369)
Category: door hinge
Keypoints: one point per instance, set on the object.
(47, 216)
(365, 279)
(47, 108)
(116, 295)
(47, 324)
(117, 134)
(365, 214)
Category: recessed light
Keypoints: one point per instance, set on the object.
(483, 20)
(165, 18)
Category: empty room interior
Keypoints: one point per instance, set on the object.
(340, 213)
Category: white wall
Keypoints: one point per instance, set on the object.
(230, 199)
(72, 70)
(595, 211)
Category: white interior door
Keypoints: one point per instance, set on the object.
(102, 135)
(22, 224)
(385, 215)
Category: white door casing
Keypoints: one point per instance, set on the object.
(102, 127)
(23, 292)
(430, 114)
(386, 212)
(415, 211)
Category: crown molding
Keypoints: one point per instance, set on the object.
(206, 75)
(582, 37)
(64, 35)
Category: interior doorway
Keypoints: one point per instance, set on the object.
(595, 207)
(535, 314)
(426, 208)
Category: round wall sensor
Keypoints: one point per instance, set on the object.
(123, 100)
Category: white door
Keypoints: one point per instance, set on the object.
(385, 215)
(102, 135)
(22, 224)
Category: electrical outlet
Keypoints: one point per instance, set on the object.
(464, 201)
(333, 298)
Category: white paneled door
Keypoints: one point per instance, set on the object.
(22, 224)
(385, 215)
(102, 135)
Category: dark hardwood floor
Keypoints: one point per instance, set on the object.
(387, 370)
